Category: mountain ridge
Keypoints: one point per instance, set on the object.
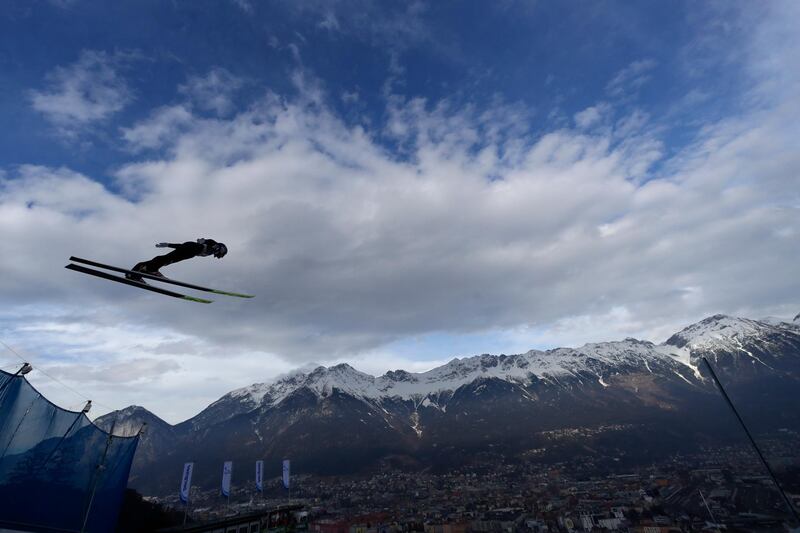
(717, 332)
(338, 420)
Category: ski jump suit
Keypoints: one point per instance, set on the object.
(181, 252)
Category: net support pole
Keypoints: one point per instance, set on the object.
(21, 420)
(96, 477)
(752, 442)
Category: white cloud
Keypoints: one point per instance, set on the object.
(329, 22)
(85, 92)
(397, 27)
(132, 371)
(631, 124)
(94, 355)
(158, 130)
(631, 78)
(214, 91)
(348, 248)
(591, 115)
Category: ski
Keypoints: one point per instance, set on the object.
(157, 278)
(120, 279)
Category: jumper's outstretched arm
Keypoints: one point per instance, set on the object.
(167, 245)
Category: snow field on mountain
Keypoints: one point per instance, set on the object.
(719, 332)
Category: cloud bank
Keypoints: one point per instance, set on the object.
(445, 220)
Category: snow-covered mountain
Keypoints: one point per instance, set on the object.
(679, 354)
(741, 346)
(591, 361)
(721, 333)
(341, 419)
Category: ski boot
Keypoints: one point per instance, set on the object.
(142, 267)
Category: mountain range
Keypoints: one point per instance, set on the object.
(623, 401)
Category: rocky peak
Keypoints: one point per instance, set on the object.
(718, 331)
(399, 375)
(129, 421)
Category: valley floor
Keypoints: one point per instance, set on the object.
(687, 492)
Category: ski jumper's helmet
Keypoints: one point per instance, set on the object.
(212, 247)
(220, 250)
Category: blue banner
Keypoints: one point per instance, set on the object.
(186, 481)
(260, 476)
(227, 471)
(286, 473)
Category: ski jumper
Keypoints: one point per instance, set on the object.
(180, 252)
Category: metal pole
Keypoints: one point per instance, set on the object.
(96, 476)
(713, 519)
(188, 499)
(19, 425)
(752, 442)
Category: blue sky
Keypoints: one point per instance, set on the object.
(400, 183)
(552, 60)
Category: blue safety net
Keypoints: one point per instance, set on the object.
(58, 471)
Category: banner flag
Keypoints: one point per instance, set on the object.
(186, 481)
(286, 473)
(227, 471)
(260, 476)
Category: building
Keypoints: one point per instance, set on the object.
(285, 518)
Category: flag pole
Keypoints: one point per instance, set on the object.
(227, 474)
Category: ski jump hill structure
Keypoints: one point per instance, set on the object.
(58, 471)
